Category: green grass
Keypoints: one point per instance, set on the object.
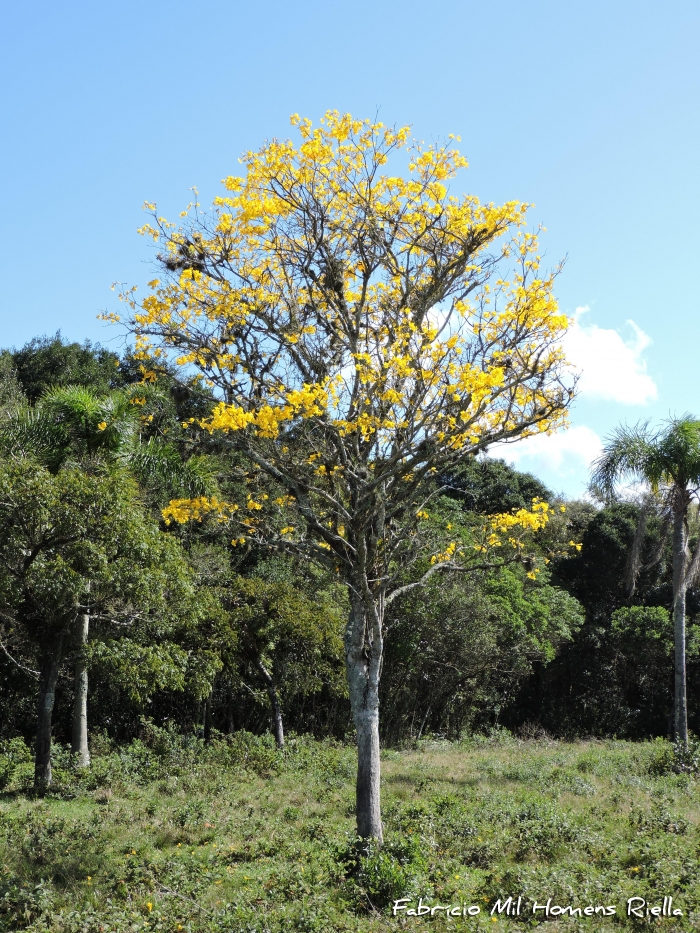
(233, 838)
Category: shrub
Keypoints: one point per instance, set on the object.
(676, 759)
(378, 876)
(12, 753)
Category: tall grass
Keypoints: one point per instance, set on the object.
(234, 837)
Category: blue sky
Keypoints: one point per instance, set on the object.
(587, 110)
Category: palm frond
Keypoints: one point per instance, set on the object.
(26, 433)
(159, 465)
(628, 453)
(679, 450)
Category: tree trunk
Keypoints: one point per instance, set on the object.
(363, 659)
(423, 722)
(680, 705)
(50, 664)
(277, 724)
(230, 717)
(206, 720)
(79, 745)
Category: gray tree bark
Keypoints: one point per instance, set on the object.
(50, 664)
(79, 745)
(680, 705)
(277, 722)
(363, 659)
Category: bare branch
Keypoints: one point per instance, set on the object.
(27, 670)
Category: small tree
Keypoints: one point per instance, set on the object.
(72, 425)
(362, 334)
(288, 640)
(57, 533)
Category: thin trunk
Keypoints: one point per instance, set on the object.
(206, 721)
(634, 561)
(80, 694)
(680, 706)
(230, 718)
(47, 693)
(363, 659)
(277, 724)
(422, 725)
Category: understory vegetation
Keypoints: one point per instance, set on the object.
(169, 833)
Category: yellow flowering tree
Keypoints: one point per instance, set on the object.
(361, 330)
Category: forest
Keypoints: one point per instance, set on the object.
(189, 632)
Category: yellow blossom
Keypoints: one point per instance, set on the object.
(186, 510)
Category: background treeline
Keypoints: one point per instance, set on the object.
(104, 603)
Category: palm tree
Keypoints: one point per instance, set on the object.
(75, 425)
(668, 460)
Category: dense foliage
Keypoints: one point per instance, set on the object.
(569, 652)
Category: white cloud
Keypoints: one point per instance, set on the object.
(565, 454)
(611, 368)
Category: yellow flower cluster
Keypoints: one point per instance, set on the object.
(397, 331)
(228, 418)
(528, 521)
(504, 522)
(305, 402)
(446, 555)
(188, 510)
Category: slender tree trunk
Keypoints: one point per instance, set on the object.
(80, 694)
(363, 659)
(423, 722)
(680, 705)
(50, 664)
(277, 724)
(206, 719)
(230, 717)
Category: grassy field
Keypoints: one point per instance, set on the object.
(171, 835)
